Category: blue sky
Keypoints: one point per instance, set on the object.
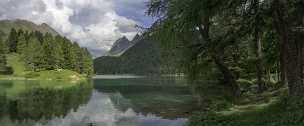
(94, 24)
(134, 9)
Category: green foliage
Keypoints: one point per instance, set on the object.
(12, 40)
(2, 54)
(4, 69)
(242, 44)
(22, 43)
(32, 75)
(33, 54)
(49, 53)
(44, 52)
(285, 112)
(15, 61)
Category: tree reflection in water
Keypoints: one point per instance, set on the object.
(44, 103)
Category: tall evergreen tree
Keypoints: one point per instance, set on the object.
(69, 56)
(34, 54)
(87, 62)
(58, 52)
(49, 59)
(2, 56)
(22, 43)
(12, 40)
(78, 56)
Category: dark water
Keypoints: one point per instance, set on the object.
(100, 102)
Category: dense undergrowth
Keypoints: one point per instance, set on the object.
(287, 111)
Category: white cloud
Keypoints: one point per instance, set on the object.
(92, 23)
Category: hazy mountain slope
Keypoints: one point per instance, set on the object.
(120, 46)
(142, 58)
(7, 25)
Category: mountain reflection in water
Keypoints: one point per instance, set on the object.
(79, 105)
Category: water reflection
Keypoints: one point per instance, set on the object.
(100, 111)
(163, 97)
(37, 105)
(31, 104)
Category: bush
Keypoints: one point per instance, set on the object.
(32, 75)
(7, 71)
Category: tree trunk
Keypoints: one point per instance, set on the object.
(282, 64)
(229, 79)
(292, 49)
(259, 63)
(294, 66)
(258, 47)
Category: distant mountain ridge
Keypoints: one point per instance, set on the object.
(7, 25)
(143, 58)
(122, 45)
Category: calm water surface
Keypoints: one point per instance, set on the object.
(122, 101)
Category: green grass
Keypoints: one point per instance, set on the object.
(12, 88)
(59, 75)
(286, 111)
(14, 61)
(21, 73)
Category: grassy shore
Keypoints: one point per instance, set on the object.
(279, 110)
(20, 72)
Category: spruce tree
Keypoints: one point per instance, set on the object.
(69, 56)
(87, 62)
(22, 44)
(2, 57)
(34, 54)
(49, 59)
(12, 40)
(58, 52)
(78, 56)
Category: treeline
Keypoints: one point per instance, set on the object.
(4, 69)
(253, 48)
(257, 42)
(46, 52)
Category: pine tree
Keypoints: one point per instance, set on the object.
(58, 52)
(2, 57)
(69, 56)
(49, 59)
(12, 40)
(34, 54)
(77, 53)
(87, 62)
(22, 44)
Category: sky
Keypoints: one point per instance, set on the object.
(94, 24)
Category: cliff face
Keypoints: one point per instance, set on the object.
(120, 46)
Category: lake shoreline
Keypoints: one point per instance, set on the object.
(51, 75)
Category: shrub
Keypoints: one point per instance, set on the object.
(7, 71)
(32, 75)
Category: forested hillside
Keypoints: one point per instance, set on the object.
(252, 51)
(143, 58)
(42, 52)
